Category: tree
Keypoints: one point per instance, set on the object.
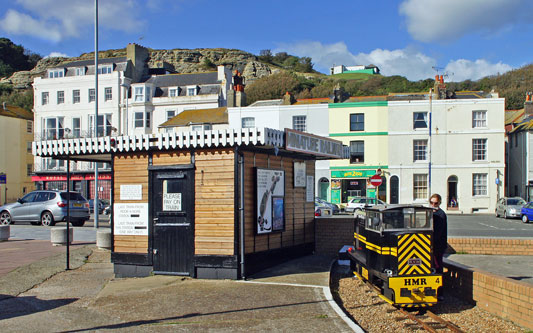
(15, 58)
(272, 87)
(266, 56)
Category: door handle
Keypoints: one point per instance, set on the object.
(156, 219)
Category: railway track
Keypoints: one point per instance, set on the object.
(428, 320)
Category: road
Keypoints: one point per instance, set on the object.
(87, 233)
(487, 226)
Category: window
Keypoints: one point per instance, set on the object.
(148, 94)
(191, 91)
(248, 122)
(80, 71)
(173, 92)
(479, 184)
(479, 149)
(29, 126)
(420, 186)
(104, 124)
(60, 97)
(53, 164)
(105, 69)
(76, 127)
(170, 114)
(54, 73)
(139, 94)
(298, 123)
(357, 122)
(75, 96)
(420, 120)
(479, 119)
(420, 148)
(357, 151)
(53, 128)
(92, 95)
(28, 146)
(108, 94)
(44, 98)
(142, 118)
(29, 169)
(204, 127)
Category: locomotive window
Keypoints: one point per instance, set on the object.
(373, 221)
(407, 218)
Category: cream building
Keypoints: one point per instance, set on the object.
(463, 159)
(363, 127)
(16, 159)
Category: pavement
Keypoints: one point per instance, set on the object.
(40, 295)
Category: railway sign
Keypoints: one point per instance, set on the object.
(375, 180)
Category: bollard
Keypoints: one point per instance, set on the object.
(5, 232)
(58, 235)
(103, 239)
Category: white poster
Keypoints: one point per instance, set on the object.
(299, 174)
(171, 201)
(131, 192)
(130, 218)
(270, 183)
(310, 189)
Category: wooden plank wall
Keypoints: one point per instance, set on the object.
(215, 202)
(131, 169)
(299, 214)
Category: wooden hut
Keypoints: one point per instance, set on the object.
(213, 204)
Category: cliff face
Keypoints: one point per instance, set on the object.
(181, 60)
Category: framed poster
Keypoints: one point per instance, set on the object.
(278, 213)
(130, 219)
(269, 183)
(299, 174)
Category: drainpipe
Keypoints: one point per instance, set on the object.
(241, 211)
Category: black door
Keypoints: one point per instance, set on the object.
(394, 190)
(173, 217)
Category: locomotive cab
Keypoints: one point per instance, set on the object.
(394, 251)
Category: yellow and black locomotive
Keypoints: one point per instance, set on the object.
(393, 249)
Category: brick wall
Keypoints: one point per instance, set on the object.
(331, 233)
(519, 247)
(499, 295)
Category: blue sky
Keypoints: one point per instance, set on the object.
(468, 39)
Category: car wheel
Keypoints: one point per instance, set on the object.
(496, 213)
(47, 219)
(525, 219)
(78, 223)
(5, 218)
(505, 215)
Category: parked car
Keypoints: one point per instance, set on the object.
(527, 212)
(509, 207)
(46, 208)
(319, 209)
(101, 206)
(107, 209)
(359, 203)
(334, 208)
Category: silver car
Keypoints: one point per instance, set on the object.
(46, 208)
(509, 207)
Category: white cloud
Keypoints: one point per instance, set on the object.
(56, 54)
(437, 20)
(474, 70)
(57, 20)
(407, 62)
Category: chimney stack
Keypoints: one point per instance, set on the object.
(528, 104)
(288, 99)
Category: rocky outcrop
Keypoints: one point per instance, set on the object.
(181, 60)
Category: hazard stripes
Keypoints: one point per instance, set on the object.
(414, 254)
(387, 251)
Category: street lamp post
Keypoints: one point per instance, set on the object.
(429, 141)
(96, 109)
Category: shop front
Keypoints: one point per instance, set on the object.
(347, 184)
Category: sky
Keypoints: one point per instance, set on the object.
(417, 39)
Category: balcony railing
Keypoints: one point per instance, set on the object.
(71, 135)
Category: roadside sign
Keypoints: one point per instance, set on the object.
(3, 178)
(375, 180)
